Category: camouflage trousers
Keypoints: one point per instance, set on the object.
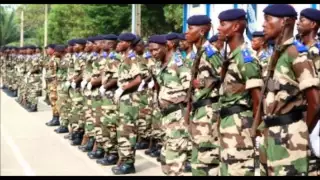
(204, 135)
(157, 132)
(88, 113)
(237, 148)
(33, 88)
(107, 137)
(76, 114)
(145, 116)
(64, 103)
(314, 165)
(14, 80)
(9, 78)
(53, 97)
(22, 89)
(287, 149)
(96, 115)
(175, 146)
(127, 129)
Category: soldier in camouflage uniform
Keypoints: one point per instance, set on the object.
(130, 74)
(173, 80)
(186, 49)
(34, 75)
(49, 49)
(287, 143)
(2, 61)
(239, 95)
(77, 119)
(91, 56)
(205, 107)
(63, 102)
(14, 60)
(107, 139)
(145, 111)
(21, 67)
(6, 67)
(218, 44)
(308, 25)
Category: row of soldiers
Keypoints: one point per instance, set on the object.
(195, 105)
(21, 68)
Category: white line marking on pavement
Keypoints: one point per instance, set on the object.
(23, 163)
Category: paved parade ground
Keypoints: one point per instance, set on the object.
(29, 147)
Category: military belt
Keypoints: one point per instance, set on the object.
(172, 108)
(235, 109)
(284, 119)
(204, 102)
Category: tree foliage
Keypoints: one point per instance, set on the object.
(8, 28)
(67, 21)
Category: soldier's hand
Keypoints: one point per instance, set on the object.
(141, 86)
(83, 84)
(315, 140)
(257, 141)
(73, 85)
(102, 90)
(196, 83)
(151, 84)
(67, 84)
(118, 94)
(89, 86)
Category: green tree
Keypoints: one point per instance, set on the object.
(8, 28)
(174, 16)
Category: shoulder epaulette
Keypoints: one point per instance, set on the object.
(300, 47)
(209, 51)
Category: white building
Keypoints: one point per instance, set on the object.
(213, 10)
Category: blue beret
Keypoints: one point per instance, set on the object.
(138, 39)
(112, 37)
(232, 14)
(80, 41)
(214, 38)
(271, 42)
(50, 46)
(158, 39)
(60, 48)
(92, 39)
(257, 34)
(280, 10)
(312, 14)
(127, 37)
(31, 47)
(197, 20)
(71, 42)
(182, 36)
(172, 36)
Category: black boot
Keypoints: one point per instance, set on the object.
(33, 108)
(187, 167)
(54, 121)
(61, 129)
(77, 138)
(98, 154)
(155, 153)
(107, 160)
(143, 144)
(123, 169)
(89, 145)
(14, 93)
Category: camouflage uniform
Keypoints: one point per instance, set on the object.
(52, 84)
(314, 54)
(287, 145)
(34, 80)
(13, 80)
(107, 137)
(64, 101)
(87, 94)
(174, 81)
(128, 107)
(77, 115)
(203, 124)
(145, 109)
(21, 75)
(237, 148)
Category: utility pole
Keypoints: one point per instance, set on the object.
(21, 28)
(46, 25)
(136, 19)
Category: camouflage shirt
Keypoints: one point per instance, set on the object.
(79, 63)
(295, 71)
(52, 67)
(263, 57)
(209, 71)
(62, 72)
(174, 80)
(242, 74)
(314, 54)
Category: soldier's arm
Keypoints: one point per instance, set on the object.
(308, 83)
(110, 84)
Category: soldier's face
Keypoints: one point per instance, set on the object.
(37, 50)
(123, 45)
(272, 26)
(226, 28)
(194, 33)
(88, 47)
(50, 51)
(305, 26)
(184, 45)
(157, 51)
(257, 43)
(78, 47)
(139, 48)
